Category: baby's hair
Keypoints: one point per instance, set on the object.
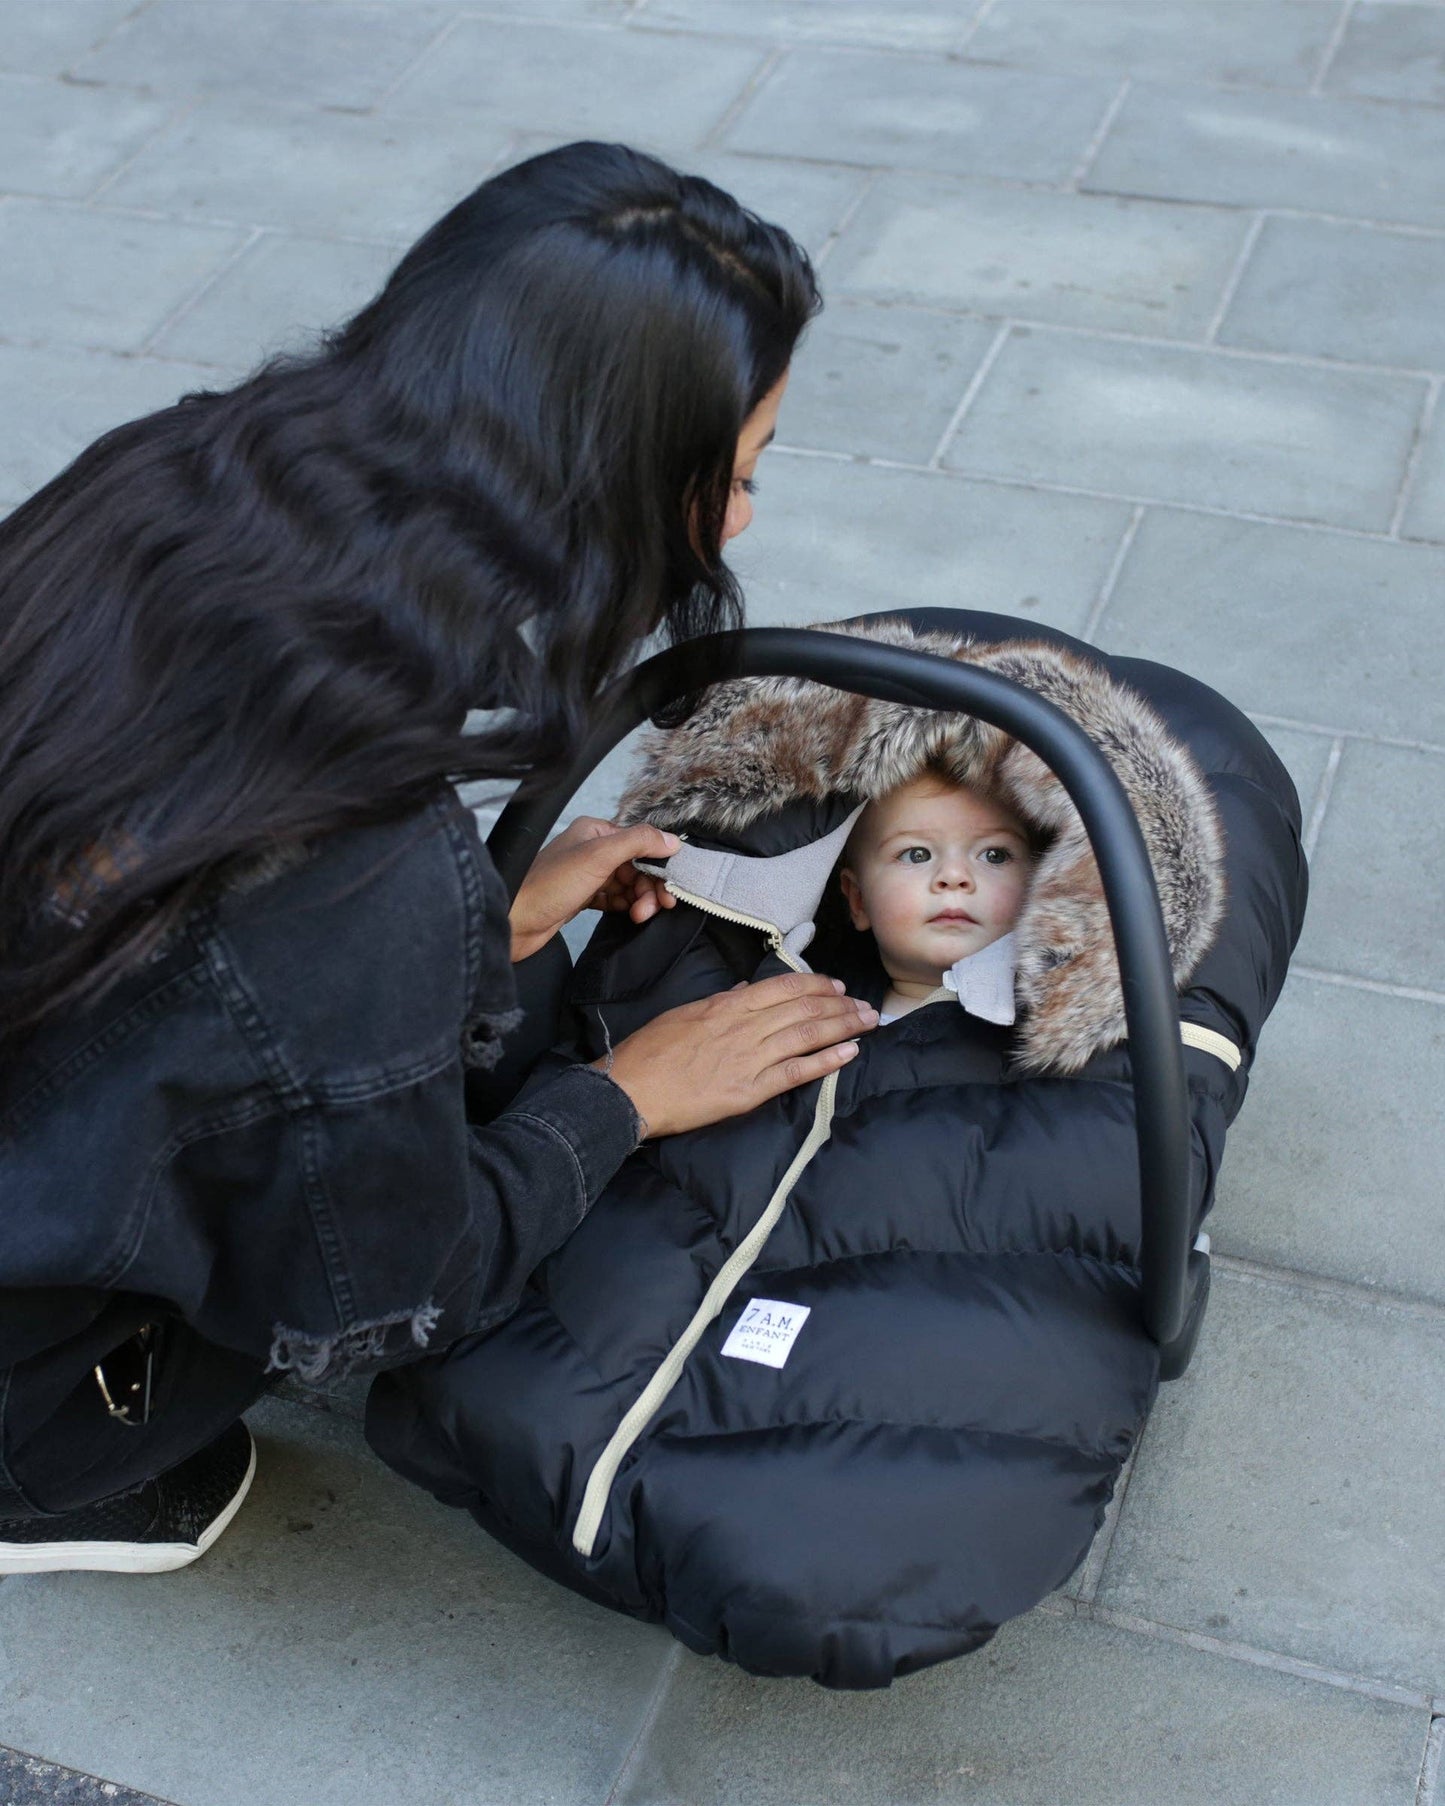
(936, 768)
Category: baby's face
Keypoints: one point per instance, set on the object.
(936, 873)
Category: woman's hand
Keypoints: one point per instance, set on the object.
(704, 1061)
(589, 866)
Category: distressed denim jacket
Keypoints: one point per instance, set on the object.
(271, 1133)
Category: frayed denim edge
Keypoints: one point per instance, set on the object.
(313, 1358)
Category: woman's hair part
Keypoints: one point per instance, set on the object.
(264, 613)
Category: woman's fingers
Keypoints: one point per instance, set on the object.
(803, 1027)
(725, 1054)
(803, 1069)
(797, 1013)
(767, 993)
(588, 864)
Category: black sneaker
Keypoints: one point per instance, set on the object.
(162, 1524)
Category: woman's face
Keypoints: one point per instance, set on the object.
(758, 430)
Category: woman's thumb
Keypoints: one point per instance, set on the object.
(643, 841)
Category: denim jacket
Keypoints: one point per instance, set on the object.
(269, 1131)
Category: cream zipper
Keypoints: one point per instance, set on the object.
(770, 929)
(730, 1275)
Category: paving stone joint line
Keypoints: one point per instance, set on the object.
(194, 299)
(1322, 797)
(1257, 1657)
(1111, 578)
(1332, 48)
(1351, 981)
(1039, 486)
(1263, 718)
(661, 1688)
(1416, 458)
(1236, 275)
(1431, 1763)
(433, 43)
(976, 382)
(1383, 1299)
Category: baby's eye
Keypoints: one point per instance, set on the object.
(907, 856)
(748, 485)
(997, 855)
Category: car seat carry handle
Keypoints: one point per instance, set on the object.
(1175, 1283)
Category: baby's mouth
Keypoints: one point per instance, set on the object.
(953, 918)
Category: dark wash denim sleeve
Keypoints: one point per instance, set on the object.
(399, 1223)
(420, 1252)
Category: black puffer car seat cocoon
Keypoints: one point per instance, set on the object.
(836, 1388)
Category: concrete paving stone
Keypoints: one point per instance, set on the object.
(1326, 629)
(1378, 908)
(327, 55)
(347, 1640)
(78, 277)
(63, 141)
(54, 402)
(280, 296)
(1188, 40)
(1172, 423)
(1286, 1492)
(1425, 512)
(847, 106)
(1326, 289)
(1081, 260)
(1053, 1709)
(347, 1397)
(1324, 155)
(27, 1782)
(46, 40)
(562, 12)
(1305, 757)
(583, 81)
(832, 539)
(1332, 1167)
(882, 382)
(934, 25)
(1392, 53)
(325, 173)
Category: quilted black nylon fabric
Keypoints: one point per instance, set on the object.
(939, 1448)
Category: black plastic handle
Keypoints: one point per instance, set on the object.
(1173, 1286)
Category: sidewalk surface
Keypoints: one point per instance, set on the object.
(1136, 326)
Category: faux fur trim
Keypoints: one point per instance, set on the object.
(754, 744)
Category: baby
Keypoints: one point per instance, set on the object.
(938, 873)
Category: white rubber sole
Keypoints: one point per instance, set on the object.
(121, 1558)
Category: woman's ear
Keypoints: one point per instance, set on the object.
(853, 891)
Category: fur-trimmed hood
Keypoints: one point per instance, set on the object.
(756, 745)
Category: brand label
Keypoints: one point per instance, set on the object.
(766, 1331)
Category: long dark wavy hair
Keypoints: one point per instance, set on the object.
(265, 613)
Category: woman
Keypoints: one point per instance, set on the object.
(252, 944)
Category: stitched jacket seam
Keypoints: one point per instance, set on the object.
(469, 882)
(152, 1004)
(252, 1024)
(388, 1080)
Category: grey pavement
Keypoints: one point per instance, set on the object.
(1134, 328)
